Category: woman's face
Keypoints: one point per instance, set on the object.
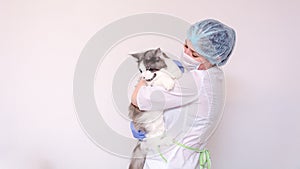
(189, 50)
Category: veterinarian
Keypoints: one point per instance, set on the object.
(194, 107)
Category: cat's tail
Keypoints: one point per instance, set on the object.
(138, 157)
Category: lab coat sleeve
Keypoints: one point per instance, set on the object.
(158, 98)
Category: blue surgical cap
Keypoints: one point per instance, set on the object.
(213, 40)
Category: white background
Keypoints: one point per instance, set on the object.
(40, 42)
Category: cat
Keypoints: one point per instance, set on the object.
(158, 70)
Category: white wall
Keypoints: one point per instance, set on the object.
(42, 40)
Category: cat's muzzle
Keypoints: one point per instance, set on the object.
(149, 80)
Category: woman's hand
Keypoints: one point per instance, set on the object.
(141, 83)
(138, 134)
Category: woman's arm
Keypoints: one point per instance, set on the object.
(157, 98)
(141, 83)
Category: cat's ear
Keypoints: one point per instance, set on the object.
(166, 56)
(138, 56)
(158, 52)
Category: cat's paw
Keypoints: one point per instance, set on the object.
(169, 84)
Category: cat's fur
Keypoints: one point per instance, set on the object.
(153, 68)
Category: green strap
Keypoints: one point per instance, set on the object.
(204, 157)
(161, 155)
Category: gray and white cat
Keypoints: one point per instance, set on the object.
(157, 69)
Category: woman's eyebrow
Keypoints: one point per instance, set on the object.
(194, 53)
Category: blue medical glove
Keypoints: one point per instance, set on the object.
(137, 134)
(179, 64)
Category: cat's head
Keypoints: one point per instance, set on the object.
(151, 60)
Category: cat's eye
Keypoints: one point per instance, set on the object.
(141, 70)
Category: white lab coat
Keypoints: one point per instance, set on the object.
(192, 112)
